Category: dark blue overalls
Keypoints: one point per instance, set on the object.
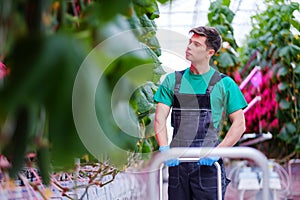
(191, 119)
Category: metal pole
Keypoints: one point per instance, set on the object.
(230, 152)
(219, 183)
(161, 181)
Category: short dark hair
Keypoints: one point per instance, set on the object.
(213, 38)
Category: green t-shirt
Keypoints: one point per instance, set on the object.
(225, 96)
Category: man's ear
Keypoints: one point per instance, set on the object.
(211, 52)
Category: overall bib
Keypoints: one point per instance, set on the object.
(191, 119)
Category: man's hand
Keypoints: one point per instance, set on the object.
(171, 162)
(209, 161)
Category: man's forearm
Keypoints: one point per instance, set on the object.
(161, 134)
(160, 127)
(235, 131)
(232, 137)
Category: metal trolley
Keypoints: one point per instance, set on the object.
(219, 178)
(192, 154)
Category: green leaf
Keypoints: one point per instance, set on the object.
(296, 24)
(163, 1)
(283, 71)
(58, 101)
(47, 81)
(297, 69)
(148, 89)
(153, 43)
(294, 6)
(275, 27)
(148, 7)
(226, 2)
(143, 3)
(289, 52)
(229, 15)
(298, 86)
(283, 86)
(146, 149)
(287, 131)
(44, 164)
(17, 151)
(266, 38)
(294, 50)
(149, 127)
(109, 9)
(146, 22)
(297, 148)
(226, 59)
(146, 121)
(222, 29)
(284, 104)
(144, 104)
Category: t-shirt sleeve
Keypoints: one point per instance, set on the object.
(164, 93)
(235, 98)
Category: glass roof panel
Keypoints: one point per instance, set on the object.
(182, 15)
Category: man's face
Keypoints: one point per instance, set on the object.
(197, 51)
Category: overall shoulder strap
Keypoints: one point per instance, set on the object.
(217, 76)
(178, 77)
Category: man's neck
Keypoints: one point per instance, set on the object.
(199, 69)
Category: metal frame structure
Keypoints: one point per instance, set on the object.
(158, 159)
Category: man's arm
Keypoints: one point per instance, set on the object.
(233, 135)
(236, 129)
(160, 127)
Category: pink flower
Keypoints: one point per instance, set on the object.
(3, 70)
(274, 124)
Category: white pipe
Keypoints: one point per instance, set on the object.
(219, 183)
(248, 78)
(230, 152)
(252, 103)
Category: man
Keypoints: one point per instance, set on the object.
(198, 97)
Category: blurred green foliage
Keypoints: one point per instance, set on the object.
(277, 50)
(226, 59)
(44, 43)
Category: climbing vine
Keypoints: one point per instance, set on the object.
(276, 48)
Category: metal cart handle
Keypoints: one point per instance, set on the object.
(156, 163)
